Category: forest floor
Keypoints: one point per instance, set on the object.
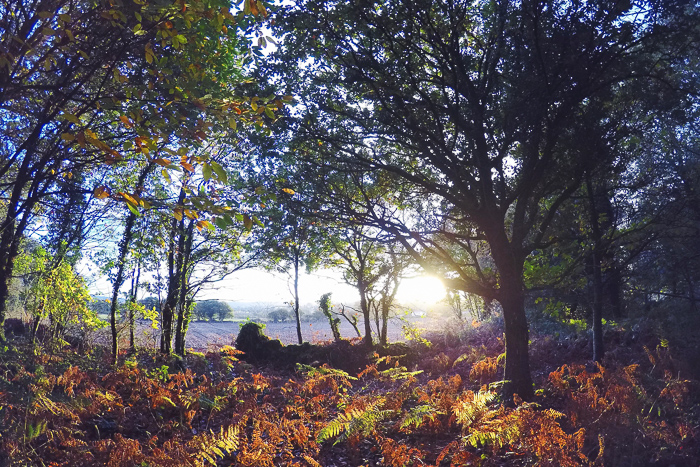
(425, 402)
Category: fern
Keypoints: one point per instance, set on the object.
(354, 422)
(312, 372)
(417, 415)
(468, 411)
(211, 445)
(399, 373)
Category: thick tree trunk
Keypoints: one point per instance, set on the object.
(517, 371)
(509, 261)
(7, 259)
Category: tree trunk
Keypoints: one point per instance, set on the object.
(180, 329)
(517, 371)
(509, 261)
(598, 349)
(364, 306)
(133, 301)
(296, 296)
(118, 281)
(175, 259)
(7, 259)
(386, 306)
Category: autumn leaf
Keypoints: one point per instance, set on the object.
(288, 191)
(101, 192)
(125, 120)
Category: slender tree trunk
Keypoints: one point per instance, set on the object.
(121, 265)
(182, 297)
(386, 307)
(364, 306)
(176, 245)
(598, 348)
(133, 302)
(118, 281)
(296, 296)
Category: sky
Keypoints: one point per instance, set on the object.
(257, 285)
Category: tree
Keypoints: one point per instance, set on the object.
(292, 244)
(86, 84)
(208, 310)
(475, 111)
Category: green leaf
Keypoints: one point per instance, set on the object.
(206, 171)
(133, 209)
(220, 172)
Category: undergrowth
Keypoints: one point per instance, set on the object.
(64, 409)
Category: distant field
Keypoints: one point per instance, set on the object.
(201, 335)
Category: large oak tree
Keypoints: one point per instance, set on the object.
(486, 114)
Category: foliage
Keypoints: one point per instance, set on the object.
(76, 410)
(56, 293)
(324, 304)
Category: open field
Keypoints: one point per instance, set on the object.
(202, 334)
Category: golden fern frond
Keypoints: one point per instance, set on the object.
(211, 445)
(495, 433)
(467, 411)
(417, 415)
(312, 371)
(400, 372)
(354, 422)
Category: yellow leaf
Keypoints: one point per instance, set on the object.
(125, 120)
(101, 192)
(67, 137)
(288, 191)
(191, 214)
(178, 213)
(131, 199)
(162, 162)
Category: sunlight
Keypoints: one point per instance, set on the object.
(423, 289)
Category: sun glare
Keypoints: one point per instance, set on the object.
(424, 289)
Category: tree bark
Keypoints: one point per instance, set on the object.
(180, 329)
(509, 261)
(597, 315)
(118, 281)
(517, 370)
(121, 265)
(296, 295)
(364, 306)
(175, 262)
(133, 302)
